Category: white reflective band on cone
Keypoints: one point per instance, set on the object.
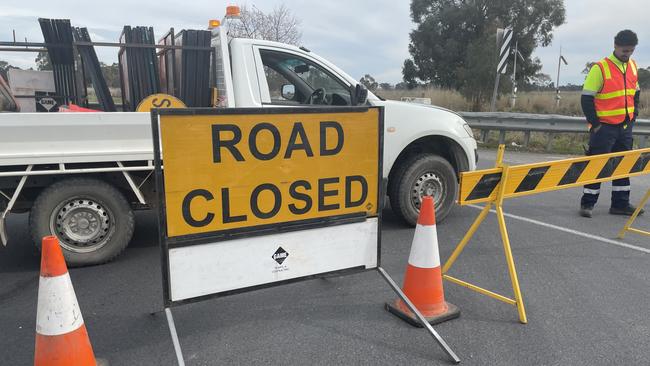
(58, 311)
(424, 251)
(620, 188)
(591, 191)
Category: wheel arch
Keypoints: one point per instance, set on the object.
(36, 184)
(439, 145)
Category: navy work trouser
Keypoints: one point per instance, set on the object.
(610, 138)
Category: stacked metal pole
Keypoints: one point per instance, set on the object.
(58, 40)
(167, 64)
(193, 67)
(91, 63)
(138, 66)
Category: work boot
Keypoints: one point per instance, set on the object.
(585, 211)
(626, 211)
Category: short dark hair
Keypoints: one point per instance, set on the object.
(626, 38)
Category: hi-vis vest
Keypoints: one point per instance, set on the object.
(617, 93)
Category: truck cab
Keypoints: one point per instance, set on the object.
(425, 147)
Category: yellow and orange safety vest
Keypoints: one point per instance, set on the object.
(616, 98)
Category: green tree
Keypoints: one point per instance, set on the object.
(477, 74)
(410, 73)
(539, 82)
(4, 68)
(644, 78)
(454, 42)
(369, 82)
(401, 86)
(111, 74)
(43, 61)
(587, 68)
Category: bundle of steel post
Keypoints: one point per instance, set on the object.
(57, 34)
(193, 67)
(167, 64)
(91, 64)
(138, 66)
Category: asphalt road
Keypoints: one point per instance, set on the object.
(586, 295)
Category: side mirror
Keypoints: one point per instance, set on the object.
(359, 94)
(288, 91)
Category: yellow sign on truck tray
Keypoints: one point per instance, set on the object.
(159, 101)
(232, 171)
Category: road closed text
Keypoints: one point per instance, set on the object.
(267, 199)
(226, 172)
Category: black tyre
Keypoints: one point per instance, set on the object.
(92, 219)
(418, 176)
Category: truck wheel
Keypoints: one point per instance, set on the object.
(92, 219)
(423, 175)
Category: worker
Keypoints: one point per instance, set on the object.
(610, 101)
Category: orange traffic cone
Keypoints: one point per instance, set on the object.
(61, 336)
(423, 278)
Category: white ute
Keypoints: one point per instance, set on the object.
(80, 175)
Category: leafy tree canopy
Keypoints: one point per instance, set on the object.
(369, 82)
(454, 43)
(43, 61)
(5, 67)
(644, 78)
(279, 25)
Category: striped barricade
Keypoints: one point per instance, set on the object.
(492, 186)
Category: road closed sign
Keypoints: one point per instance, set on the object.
(257, 196)
(241, 171)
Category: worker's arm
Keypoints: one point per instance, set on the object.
(593, 84)
(589, 110)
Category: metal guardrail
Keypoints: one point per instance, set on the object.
(547, 123)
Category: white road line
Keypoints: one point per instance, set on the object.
(571, 231)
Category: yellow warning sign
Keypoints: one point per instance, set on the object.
(159, 101)
(483, 185)
(242, 170)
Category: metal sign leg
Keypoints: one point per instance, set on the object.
(172, 331)
(415, 311)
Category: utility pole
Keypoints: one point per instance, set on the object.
(513, 98)
(557, 81)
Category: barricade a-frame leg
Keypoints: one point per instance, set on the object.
(518, 299)
(630, 221)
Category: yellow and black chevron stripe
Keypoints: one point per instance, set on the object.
(484, 185)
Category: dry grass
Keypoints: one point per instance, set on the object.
(446, 98)
(115, 93)
(527, 102)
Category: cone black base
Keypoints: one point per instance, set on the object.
(452, 312)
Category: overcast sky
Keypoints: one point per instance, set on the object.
(360, 36)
